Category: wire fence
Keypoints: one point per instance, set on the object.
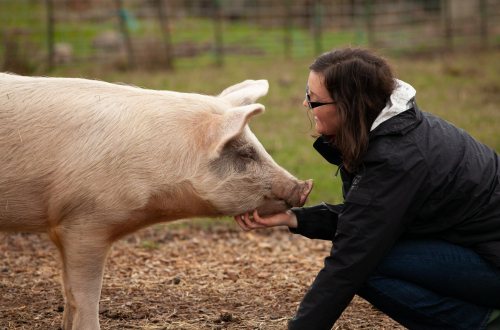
(151, 34)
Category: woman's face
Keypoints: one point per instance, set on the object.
(326, 117)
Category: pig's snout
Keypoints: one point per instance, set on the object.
(299, 194)
(305, 191)
(289, 196)
(296, 194)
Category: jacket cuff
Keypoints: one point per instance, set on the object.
(318, 221)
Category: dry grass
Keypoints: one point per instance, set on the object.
(177, 278)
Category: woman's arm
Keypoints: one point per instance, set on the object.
(317, 222)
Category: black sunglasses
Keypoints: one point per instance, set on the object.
(313, 105)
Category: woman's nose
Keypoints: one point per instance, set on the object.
(304, 103)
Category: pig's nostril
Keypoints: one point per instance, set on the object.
(306, 191)
(309, 186)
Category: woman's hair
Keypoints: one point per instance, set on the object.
(360, 83)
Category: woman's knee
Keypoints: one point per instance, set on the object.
(445, 268)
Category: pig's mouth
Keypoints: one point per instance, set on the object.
(273, 205)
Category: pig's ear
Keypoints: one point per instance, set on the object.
(246, 92)
(234, 123)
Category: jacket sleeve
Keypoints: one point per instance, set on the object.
(317, 222)
(374, 216)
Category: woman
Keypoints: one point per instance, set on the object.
(418, 234)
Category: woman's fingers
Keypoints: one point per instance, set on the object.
(278, 219)
(241, 223)
(254, 221)
(246, 222)
(263, 222)
(256, 216)
(250, 222)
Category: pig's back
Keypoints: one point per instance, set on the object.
(65, 138)
(47, 118)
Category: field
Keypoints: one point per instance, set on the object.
(207, 274)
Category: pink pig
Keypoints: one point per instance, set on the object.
(89, 162)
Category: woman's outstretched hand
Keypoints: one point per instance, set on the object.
(254, 221)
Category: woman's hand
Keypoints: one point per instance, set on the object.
(254, 221)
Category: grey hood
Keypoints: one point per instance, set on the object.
(399, 102)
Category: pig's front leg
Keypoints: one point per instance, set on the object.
(83, 254)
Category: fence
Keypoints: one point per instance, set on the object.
(170, 34)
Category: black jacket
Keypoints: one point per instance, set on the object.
(421, 177)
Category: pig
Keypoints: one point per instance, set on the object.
(89, 162)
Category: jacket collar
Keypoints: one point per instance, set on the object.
(328, 150)
(399, 101)
(399, 124)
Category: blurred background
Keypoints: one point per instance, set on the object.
(169, 34)
(448, 49)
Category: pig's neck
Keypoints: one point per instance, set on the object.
(177, 202)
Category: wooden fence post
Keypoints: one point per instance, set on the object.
(219, 43)
(165, 31)
(317, 27)
(447, 23)
(483, 14)
(125, 33)
(369, 22)
(288, 33)
(50, 33)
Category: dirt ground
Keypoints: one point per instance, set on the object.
(177, 277)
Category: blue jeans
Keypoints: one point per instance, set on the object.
(432, 284)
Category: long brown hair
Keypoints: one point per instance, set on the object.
(360, 83)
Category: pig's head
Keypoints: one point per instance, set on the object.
(238, 175)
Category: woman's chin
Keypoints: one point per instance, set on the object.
(318, 127)
(319, 130)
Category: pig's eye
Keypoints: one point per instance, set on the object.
(248, 153)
